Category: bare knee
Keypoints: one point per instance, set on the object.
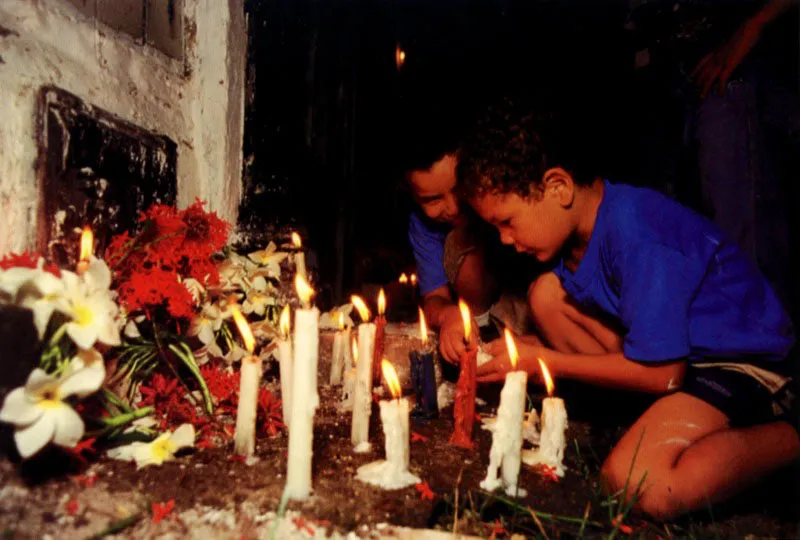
(650, 496)
(545, 298)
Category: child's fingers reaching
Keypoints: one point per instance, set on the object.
(495, 347)
(494, 369)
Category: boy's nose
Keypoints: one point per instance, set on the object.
(451, 205)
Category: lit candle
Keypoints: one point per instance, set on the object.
(380, 336)
(423, 376)
(412, 280)
(403, 279)
(391, 473)
(506, 449)
(552, 439)
(304, 391)
(87, 246)
(464, 407)
(285, 364)
(349, 383)
(341, 352)
(244, 440)
(299, 256)
(362, 393)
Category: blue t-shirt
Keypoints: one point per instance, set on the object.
(427, 242)
(675, 284)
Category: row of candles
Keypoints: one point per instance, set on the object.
(298, 365)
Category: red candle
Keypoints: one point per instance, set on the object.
(380, 337)
(464, 407)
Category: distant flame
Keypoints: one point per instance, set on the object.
(304, 290)
(363, 310)
(284, 323)
(244, 329)
(87, 243)
(413, 280)
(423, 329)
(341, 321)
(467, 318)
(296, 241)
(548, 380)
(355, 350)
(403, 278)
(381, 302)
(391, 378)
(399, 56)
(512, 349)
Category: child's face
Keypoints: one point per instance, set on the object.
(433, 190)
(537, 225)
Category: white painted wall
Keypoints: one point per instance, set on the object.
(48, 42)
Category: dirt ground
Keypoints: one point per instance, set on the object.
(217, 496)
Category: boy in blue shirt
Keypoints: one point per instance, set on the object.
(645, 295)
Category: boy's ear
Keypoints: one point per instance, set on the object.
(558, 183)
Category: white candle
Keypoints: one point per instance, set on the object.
(552, 439)
(391, 473)
(285, 365)
(341, 352)
(349, 382)
(244, 439)
(362, 393)
(304, 383)
(506, 452)
(299, 256)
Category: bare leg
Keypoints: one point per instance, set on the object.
(562, 325)
(474, 284)
(692, 458)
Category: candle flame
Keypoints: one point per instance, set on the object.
(284, 323)
(87, 242)
(361, 306)
(304, 290)
(390, 375)
(413, 280)
(296, 241)
(341, 321)
(355, 350)
(403, 278)
(423, 329)
(467, 318)
(399, 56)
(548, 380)
(512, 349)
(244, 329)
(381, 302)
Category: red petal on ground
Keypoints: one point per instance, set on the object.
(72, 506)
(425, 491)
(416, 437)
(162, 510)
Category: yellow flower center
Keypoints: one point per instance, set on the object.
(83, 315)
(50, 398)
(162, 450)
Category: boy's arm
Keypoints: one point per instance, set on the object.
(610, 370)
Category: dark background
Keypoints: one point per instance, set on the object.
(329, 113)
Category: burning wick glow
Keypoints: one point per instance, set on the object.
(296, 241)
(341, 321)
(304, 290)
(87, 242)
(467, 318)
(399, 56)
(244, 329)
(381, 303)
(413, 280)
(512, 349)
(403, 278)
(361, 307)
(548, 380)
(423, 329)
(390, 375)
(284, 322)
(355, 350)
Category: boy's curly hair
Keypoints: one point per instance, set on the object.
(511, 148)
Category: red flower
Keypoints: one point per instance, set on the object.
(302, 524)
(85, 480)
(497, 528)
(72, 506)
(425, 491)
(222, 385)
(269, 409)
(26, 259)
(162, 510)
(416, 437)
(87, 445)
(206, 233)
(160, 392)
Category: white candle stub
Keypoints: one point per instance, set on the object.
(341, 355)
(391, 473)
(552, 439)
(362, 393)
(507, 437)
(285, 366)
(244, 440)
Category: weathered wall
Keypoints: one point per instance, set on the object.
(198, 104)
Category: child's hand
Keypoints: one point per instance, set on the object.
(451, 335)
(495, 370)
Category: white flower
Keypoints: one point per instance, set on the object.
(91, 308)
(257, 302)
(206, 323)
(263, 330)
(269, 257)
(232, 272)
(39, 413)
(330, 320)
(195, 288)
(12, 279)
(42, 294)
(158, 451)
